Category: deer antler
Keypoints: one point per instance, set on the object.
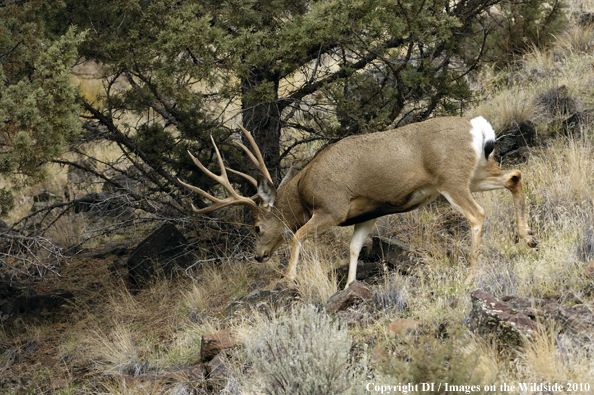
(234, 197)
(256, 160)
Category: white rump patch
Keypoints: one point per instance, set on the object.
(481, 131)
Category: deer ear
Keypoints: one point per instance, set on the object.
(292, 172)
(266, 191)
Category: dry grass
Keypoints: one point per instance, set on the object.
(507, 108)
(316, 281)
(68, 231)
(575, 40)
(161, 327)
(116, 351)
(541, 360)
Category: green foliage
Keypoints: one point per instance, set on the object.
(306, 352)
(439, 360)
(6, 201)
(519, 26)
(38, 103)
(323, 69)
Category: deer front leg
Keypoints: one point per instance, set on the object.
(317, 223)
(291, 272)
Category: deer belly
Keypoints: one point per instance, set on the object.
(363, 209)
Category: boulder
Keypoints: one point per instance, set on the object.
(264, 301)
(356, 293)
(395, 254)
(211, 345)
(18, 301)
(370, 272)
(384, 253)
(162, 253)
(45, 199)
(575, 319)
(573, 124)
(492, 318)
(515, 316)
(514, 141)
(218, 373)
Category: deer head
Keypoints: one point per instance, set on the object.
(268, 223)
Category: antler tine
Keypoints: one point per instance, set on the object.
(251, 179)
(259, 162)
(234, 197)
(217, 203)
(221, 164)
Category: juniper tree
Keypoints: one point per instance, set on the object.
(176, 72)
(38, 103)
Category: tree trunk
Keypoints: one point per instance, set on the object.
(262, 119)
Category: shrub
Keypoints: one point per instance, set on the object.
(558, 102)
(445, 360)
(392, 294)
(304, 353)
(520, 26)
(498, 277)
(585, 245)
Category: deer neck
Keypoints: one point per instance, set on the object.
(289, 207)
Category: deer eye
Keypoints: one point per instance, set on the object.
(257, 228)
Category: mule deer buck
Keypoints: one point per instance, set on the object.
(361, 178)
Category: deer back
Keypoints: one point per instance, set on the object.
(364, 177)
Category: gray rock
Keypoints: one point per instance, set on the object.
(514, 140)
(575, 319)
(19, 302)
(264, 301)
(492, 318)
(212, 345)
(355, 294)
(161, 254)
(515, 316)
(218, 372)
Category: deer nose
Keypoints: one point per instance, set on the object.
(263, 258)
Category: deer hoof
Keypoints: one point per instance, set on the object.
(471, 277)
(532, 241)
(286, 283)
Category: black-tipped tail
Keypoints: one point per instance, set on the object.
(489, 147)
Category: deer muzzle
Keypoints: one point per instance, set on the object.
(263, 258)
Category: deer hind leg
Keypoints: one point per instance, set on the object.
(359, 235)
(316, 224)
(462, 200)
(512, 181)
